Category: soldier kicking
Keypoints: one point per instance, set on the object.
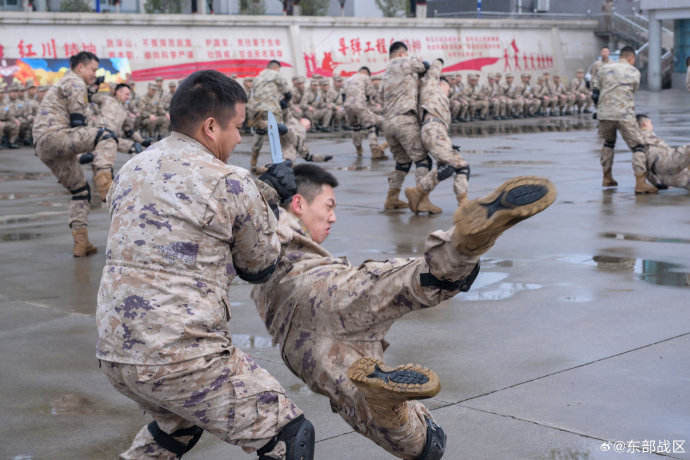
(330, 317)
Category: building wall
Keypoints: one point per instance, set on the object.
(172, 46)
(555, 6)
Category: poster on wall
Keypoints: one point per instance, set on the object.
(49, 71)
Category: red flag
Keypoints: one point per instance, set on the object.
(515, 48)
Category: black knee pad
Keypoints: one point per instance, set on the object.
(260, 132)
(610, 144)
(463, 285)
(168, 441)
(639, 148)
(282, 128)
(435, 442)
(76, 120)
(425, 163)
(86, 197)
(464, 170)
(404, 167)
(104, 134)
(299, 438)
(444, 171)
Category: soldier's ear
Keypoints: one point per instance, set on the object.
(297, 205)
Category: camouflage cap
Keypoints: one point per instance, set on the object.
(16, 87)
(324, 82)
(491, 75)
(509, 75)
(313, 82)
(556, 75)
(43, 88)
(499, 74)
(29, 83)
(153, 86)
(338, 78)
(472, 76)
(580, 70)
(525, 75)
(376, 77)
(159, 78)
(300, 79)
(172, 83)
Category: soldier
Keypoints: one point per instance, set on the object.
(497, 102)
(666, 166)
(269, 88)
(339, 113)
(113, 115)
(11, 117)
(152, 118)
(173, 250)
(401, 124)
(321, 114)
(478, 98)
(605, 53)
(565, 98)
(358, 90)
(507, 90)
(434, 111)
(167, 97)
(530, 101)
(61, 133)
(459, 104)
(159, 86)
(293, 142)
(330, 318)
(582, 94)
(247, 84)
(613, 91)
(328, 102)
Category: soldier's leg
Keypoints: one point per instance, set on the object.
(11, 130)
(226, 394)
(403, 163)
(369, 123)
(353, 119)
(607, 132)
(483, 109)
(454, 109)
(675, 162)
(631, 134)
(260, 125)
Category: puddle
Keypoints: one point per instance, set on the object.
(489, 286)
(576, 298)
(19, 175)
(18, 236)
(245, 342)
(650, 239)
(651, 271)
(23, 196)
(569, 454)
(516, 162)
(71, 404)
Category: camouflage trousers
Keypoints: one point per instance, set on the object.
(226, 394)
(672, 169)
(438, 145)
(10, 129)
(322, 117)
(405, 142)
(156, 127)
(358, 117)
(58, 150)
(630, 131)
(583, 101)
(334, 329)
(458, 107)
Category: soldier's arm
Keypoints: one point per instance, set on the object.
(416, 65)
(76, 96)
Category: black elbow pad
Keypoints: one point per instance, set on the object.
(257, 278)
(595, 96)
(77, 119)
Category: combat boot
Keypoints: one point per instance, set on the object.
(608, 181)
(359, 150)
(642, 187)
(386, 390)
(377, 153)
(383, 146)
(419, 201)
(392, 200)
(103, 179)
(479, 222)
(82, 245)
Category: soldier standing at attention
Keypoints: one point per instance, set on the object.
(268, 88)
(330, 318)
(61, 133)
(183, 225)
(434, 111)
(401, 125)
(613, 91)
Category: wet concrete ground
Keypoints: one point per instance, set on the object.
(574, 336)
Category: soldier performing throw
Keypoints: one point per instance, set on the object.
(330, 317)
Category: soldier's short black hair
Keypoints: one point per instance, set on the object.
(641, 117)
(311, 178)
(395, 46)
(272, 62)
(443, 78)
(365, 68)
(203, 94)
(122, 85)
(82, 57)
(627, 51)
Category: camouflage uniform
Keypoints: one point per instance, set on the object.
(326, 313)
(149, 107)
(401, 125)
(434, 108)
(57, 143)
(597, 66)
(515, 102)
(617, 83)
(583, 96)
(10, 117)
(293, 142)
(321, 115)
(115, 116)
(478, 98)
(358, 88)
(334, 101)
(530, 100)
(459, 104)
(666, 165)
(268, 89)
(183, 225)
(559, 91)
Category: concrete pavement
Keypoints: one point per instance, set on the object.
(573, 337)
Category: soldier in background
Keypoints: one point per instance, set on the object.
(530, 100)
(17, 111)
(565, 98)
(605, 53)
(61, 133)
(613, 90)
(167, 97)
(9, 125)
(113, 114)
(269, 88)
(459, 103)
(339, 114)
(247, 84)
(478, 98)
(152, 118)
(359, 90)
(582, 94)
(294, 142)
(434, 112)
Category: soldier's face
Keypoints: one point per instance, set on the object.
(605, 52)
(228, 136)
(123, 94)
(87, 71)
(319, 215)
(445, 87)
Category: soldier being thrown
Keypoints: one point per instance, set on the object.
(184, 223)
(61, 133)
(666, 166)
(330, 317)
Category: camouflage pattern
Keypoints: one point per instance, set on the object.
(459, 104)
(617, 83)
(597, 66)
(666, 165)
(514, 102)
(57, 144)
(268, 89)
(478, 99)
(359, 115)
(530, 100)
(334, 103)
(114, 115)
(403, 134)
(582, 94)
(322, 114)
(152, 116)
(399, 86)
(631, 134)
(432, 99)
(326, 313)
(565, 100)
(9, 125)
(293, 143)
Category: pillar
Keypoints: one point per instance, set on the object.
(654, 66)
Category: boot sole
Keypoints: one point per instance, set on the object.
(409, 380)
(515, 200)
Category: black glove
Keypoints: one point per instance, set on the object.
(426, 65)
(148, 142)
(76, 120)
(281, 177)
(284, 103)
(287, 96)
(328, 158)
(282, 128)
(594, 116)
(136, 148)
(456, 147)
(595, 96)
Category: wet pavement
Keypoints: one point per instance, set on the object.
(572, 343)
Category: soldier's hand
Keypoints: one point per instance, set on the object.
(281, 177)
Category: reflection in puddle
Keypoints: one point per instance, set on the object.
(569, 454)
(651, 239)
(245, 341)
(651, 271)
(19, 175)
(485, 288)
(577, 298)
(18, 236)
